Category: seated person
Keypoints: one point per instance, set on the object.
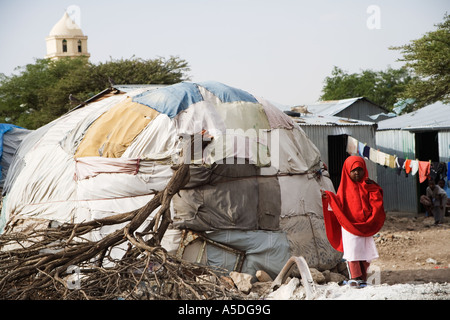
(435, 201)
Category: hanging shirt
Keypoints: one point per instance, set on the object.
(390, 161)
(399, 163)
(373, 155)
(366, 152)
(352, 145)
(424, 170)
(438, 170)
(381, 158)
(414, 166)
(361, 148)
(407, 166)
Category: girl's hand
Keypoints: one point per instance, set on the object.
(324, 194)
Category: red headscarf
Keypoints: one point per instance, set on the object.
(357, 206)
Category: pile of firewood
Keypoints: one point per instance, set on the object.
(60, 263)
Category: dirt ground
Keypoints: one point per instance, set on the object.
(413, 250)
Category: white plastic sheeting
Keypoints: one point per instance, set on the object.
(275, 191)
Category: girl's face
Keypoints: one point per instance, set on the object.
(357, 174)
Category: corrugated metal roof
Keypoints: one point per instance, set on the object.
(324, 120)
(433, 117)
(331, 107)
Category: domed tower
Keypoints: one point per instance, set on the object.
(66, 40)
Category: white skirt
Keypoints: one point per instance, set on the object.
(358, 248)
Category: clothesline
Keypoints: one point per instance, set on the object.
(426, 169)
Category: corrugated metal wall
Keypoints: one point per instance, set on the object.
(319, 133)
(397, 142)
(444, 146)
(361, 110)
(400, 191)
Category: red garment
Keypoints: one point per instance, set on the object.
(357, 206)
(407, 167)
(424, 170)
(358, 269)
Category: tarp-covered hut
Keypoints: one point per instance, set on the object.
(255, 176)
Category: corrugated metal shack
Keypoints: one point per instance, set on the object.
(354, 108)
(424, 135)
(330, 133)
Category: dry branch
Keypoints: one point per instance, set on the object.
(39, 269)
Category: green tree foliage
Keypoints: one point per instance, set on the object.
(429, 58)
(381, 87)
(39, 92)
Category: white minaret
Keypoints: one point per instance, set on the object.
(66, 40)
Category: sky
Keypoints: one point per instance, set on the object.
(281, 50)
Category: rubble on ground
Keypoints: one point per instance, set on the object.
(330, 285)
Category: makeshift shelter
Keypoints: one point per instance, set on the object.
(421, 135)
(255, 176)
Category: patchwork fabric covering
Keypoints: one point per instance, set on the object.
(253, 170)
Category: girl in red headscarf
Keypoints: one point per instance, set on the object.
(353, 216)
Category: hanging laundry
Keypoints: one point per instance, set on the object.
(381, 158)
(399, 164)
(407, 166)
(424, 170)
(366, 152)
(386, 159)
(373, 155)
(433, 171)
(390, 161)
(414, 166)
(352, 145)
(438, 170)
(361, 148)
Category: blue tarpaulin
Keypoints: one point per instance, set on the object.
(170, 100)
(4, 127)
(226, 93)
(178, 97)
